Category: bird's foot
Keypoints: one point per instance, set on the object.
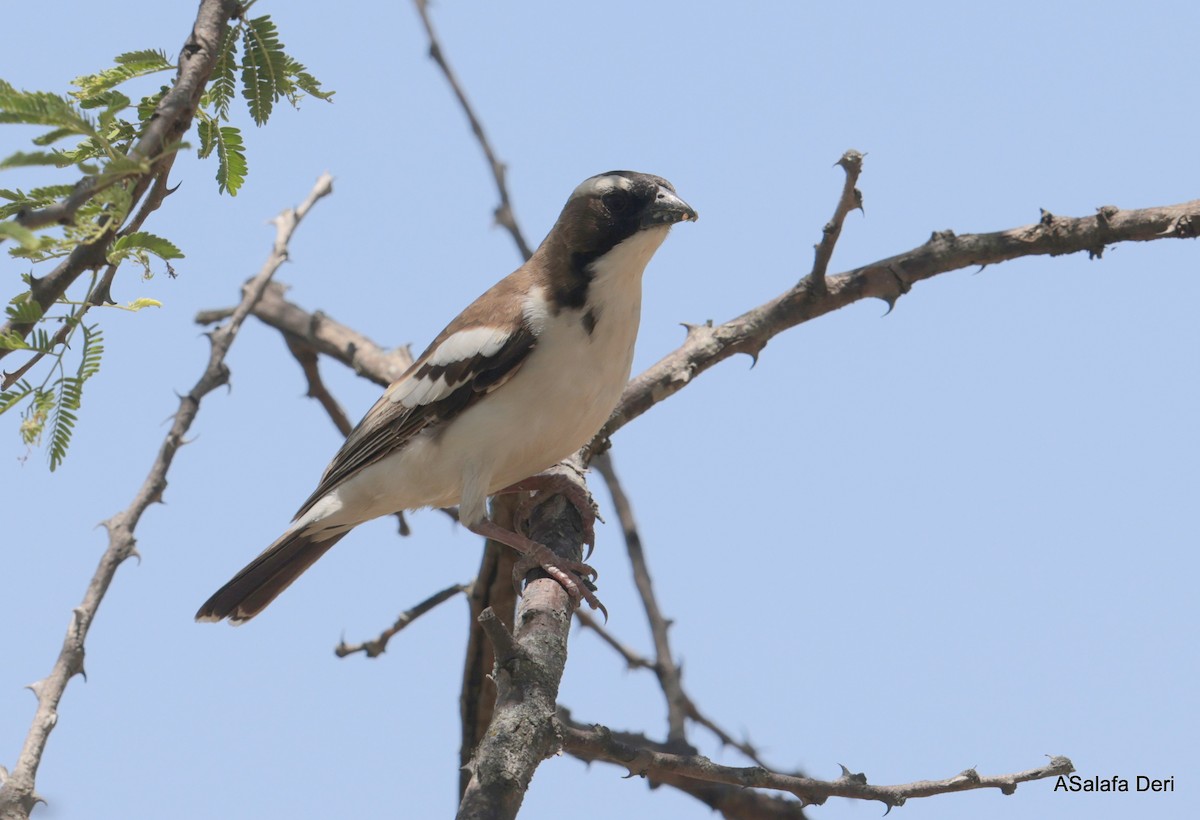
(573, 576)
(545, 484)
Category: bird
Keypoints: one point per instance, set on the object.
(526, 375)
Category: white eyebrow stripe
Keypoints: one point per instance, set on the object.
(600, 185)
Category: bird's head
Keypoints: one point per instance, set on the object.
(608, 210)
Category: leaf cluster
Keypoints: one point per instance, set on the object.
(94, 130)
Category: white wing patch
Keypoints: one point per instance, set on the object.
(469, 344)
(535, 309)
(430, 382)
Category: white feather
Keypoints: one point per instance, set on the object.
(473, 343)
(552, 406)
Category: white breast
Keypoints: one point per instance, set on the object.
(552, 406)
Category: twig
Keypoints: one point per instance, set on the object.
(889, 279)
(171, 120)
(18, 795)
(101, 293)
(634, 660)
(850, 200)
(493, 589)
(504, 211)
(306, 356)
(665, 667)
(376, 647)
(325, 335)
(598, 743)
(733, 802)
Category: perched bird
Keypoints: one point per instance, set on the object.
(523, 378)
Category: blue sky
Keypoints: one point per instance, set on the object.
(959, 535)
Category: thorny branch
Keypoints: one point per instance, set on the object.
(664, 661)
(641, 759)
(889, 279)
(377, 646)
(851, 199)
(504, 211)
(17, 794)
(170, 121)
(529, 664)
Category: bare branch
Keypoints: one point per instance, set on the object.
(325, 335)
(598, 743)
(306, 356)
(171, 120)
(17, 795)
(493, 589)
(527, 673)
(504, 211)
(733, 802)
(850, 200)
(889, 279)
(376, 647)
(665, 667)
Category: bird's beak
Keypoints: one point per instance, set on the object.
(667, 209)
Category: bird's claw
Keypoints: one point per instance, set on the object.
(575, 577)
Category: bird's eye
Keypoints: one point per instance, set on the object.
(615, 201)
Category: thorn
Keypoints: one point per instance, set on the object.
(134, 554)
(1047, 217)
(858, 778)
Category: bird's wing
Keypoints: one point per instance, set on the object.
(458, 369)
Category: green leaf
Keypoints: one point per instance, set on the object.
(222, 85)
(149, 104)
(129, 65)
(264, 72)
(13, 397)
(231, 159)
(24, 309)
(41, 108)
(306, 82)
(143, 302)
(113, 101)
(51, 137)
(207, 128)
(126, 246)
(25, 158)
(27, 238)
(127, 166)
(11, 340)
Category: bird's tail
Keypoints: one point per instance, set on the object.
(261, 581)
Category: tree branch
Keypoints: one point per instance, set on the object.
(733, 802)
(641, 759)
(504, 211)
(851, 199)
(170, 121)
(889, 279)
(376, 647)
(325, 335)
(664, 665)
(17, 794)
(528, 668)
